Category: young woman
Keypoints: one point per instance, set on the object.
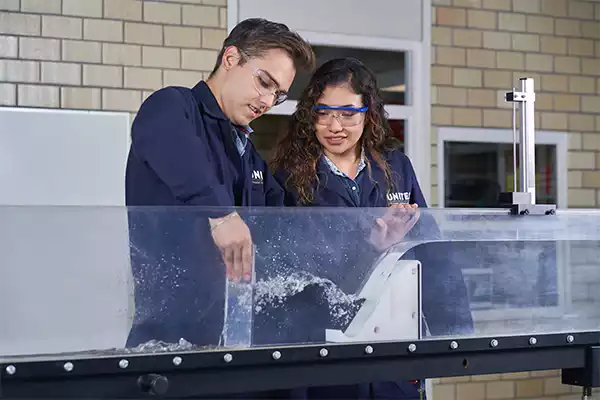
(340, 152)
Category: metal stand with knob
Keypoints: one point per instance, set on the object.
(523, 202)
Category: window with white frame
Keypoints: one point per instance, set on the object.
(474, 166)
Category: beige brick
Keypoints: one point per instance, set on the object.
(497, 118)
(553, 45)
(178, 36)
(481, 58)
(143, 78)
(553, 121)
(446, 392)
(575, 179)
(482, 19)
(103, 30)
(580, 9)
(511, 22)
(567, 65)
(455, 379)
(80, 98)
(467, 117)
(598, 49)
(525, 42)
(223, 18)
(590, 30)
(162, 13)
(39, 49)
(41, 6)
(9, 5)
(441, 115)
(19, 71)
(591, 141)
(201, 60)
(8, 94)
(544, 101)
(467, 3)
(121, 54)
(77, 50)
(451, 56)
(556, 8)
(575, 141)
(441, 75)
(161, 57)
(510, 60)
(471, 391)
(527, 7)
(530, 388)
(555, 83)
(20, 24)
(38, 96)
(9, 46)
(213, 38)
(441, 36)
(452, 96)
(215, 2)
(581, 84)
(500, 390)
(597, 163)
(539, 62)
(566, 102)
(143, 33)
(504, 5)
(590, 104)
(581, 123)
(127, 10)
(497, 40)
(597, 12)
(567, 27)
(585, 160)
(61, 73)
(538, 24)
(102, 75)
(121, 100)
(181, 78)
(467, 77)
(201, 16)
(581, 47)
(485, 377)
(582, 198)
(598, 122)
(497, 79)
(62, 27)
(87, 8)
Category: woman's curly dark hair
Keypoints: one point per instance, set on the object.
(299, 150)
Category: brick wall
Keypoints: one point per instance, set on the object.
(480, 50)
(482, 47)
(104, 54)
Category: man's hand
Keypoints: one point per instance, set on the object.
(394, 225)
(232, 237)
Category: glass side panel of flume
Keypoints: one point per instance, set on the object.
(103, 281)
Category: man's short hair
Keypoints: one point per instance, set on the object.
(255, 36)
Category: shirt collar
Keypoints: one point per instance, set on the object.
(362, 163)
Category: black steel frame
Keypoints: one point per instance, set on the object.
(222, 372)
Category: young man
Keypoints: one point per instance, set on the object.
(190, 147)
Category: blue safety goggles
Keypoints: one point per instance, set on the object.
(342, 108)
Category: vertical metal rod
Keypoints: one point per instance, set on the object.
(514, 125)
(527, 139)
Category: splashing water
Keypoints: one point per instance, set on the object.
(274, 292)
(158, 346)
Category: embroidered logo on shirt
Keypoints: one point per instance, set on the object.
(257, 177)
(398, 198)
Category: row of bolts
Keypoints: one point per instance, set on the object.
(68, 366)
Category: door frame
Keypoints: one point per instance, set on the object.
(417, 114)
